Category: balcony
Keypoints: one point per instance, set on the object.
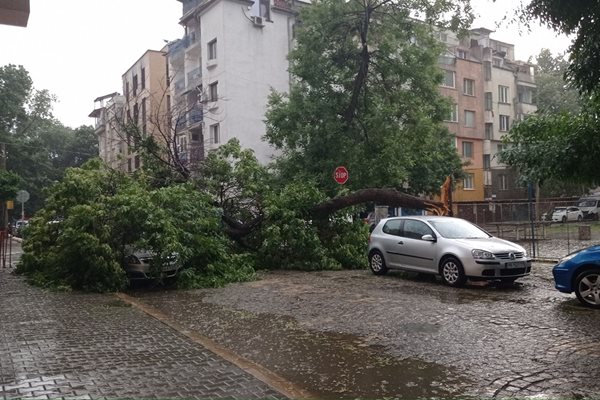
(194, 78)
(195, 115)
(179, 86)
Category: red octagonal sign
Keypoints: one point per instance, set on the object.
(340, 175)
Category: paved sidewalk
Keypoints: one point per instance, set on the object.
(72, 345)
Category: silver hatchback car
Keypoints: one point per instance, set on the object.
(451, 247)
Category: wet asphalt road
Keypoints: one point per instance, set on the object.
(350, 334)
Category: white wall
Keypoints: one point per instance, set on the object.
(251, 60)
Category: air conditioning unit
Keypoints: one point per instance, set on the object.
(257, 21)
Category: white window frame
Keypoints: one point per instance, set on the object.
(215, 133)
(472, 121)
(504, 125)
(453, 116)
(211, 49)
(503, 94)
(213, 91)
(469, 181)
(469, 87)
(467, 149)
(446, 74)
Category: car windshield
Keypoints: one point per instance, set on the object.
(559, 209)
(458, 229)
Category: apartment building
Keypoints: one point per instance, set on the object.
(147, 98)
(233, 54)
(142, 111)
(108, 114)
(491, 90)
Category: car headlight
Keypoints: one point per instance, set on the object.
(482, 254)
(568, 257)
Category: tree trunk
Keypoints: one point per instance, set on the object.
(390, 197)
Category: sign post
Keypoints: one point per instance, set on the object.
(340, 175)
(22, 197)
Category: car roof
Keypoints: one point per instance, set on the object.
(423, 217)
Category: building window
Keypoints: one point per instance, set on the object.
(448, 79)
(127, 91)
(503, 94)
(136, 114)
(487, 162)
(265, 9)
(504, 123)
(462, 54)
(213, 94)
(468, 182)
(453, 117)
(489, 131)
(499, 148)
(469, 119)
(136, 162)
(212, 49)
(487, 70)
(502, 182)
(469, 87)
(215, 133)
(143, 78)
(144, 111)
(467, 149)
(488, 101)
(526, 94)
(135, 85)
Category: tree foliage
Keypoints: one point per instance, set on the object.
(554, 93)
(38, 147)
(563, 146)
(581, 20)
(364, 95)
(80, 237)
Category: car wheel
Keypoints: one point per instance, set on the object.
(452, 272)
(579, 218)
(587, 288)
(377, 263)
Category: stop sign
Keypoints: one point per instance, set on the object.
(340, 175)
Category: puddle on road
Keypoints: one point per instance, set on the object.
(330, 365)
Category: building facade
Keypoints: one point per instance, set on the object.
(233, 54)
(490, 90)
(108, 114)
(142, 111)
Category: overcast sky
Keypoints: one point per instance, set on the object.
(79, 49)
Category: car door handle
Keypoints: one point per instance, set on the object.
(401, 242)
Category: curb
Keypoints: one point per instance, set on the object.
(264, 375)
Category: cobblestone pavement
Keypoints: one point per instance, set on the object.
(350, 334)
(69, 345)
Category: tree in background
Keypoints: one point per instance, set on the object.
(564, 146)
(365, 95)
(38, 147)
(554, 93)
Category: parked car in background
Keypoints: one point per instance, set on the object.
(138, 265)
(579, 272)
(565, 214)
(451, 247)
(590, 207)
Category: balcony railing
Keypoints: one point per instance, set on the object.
(195, 115)
(179, 86)
(194, 78)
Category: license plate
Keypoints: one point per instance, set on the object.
(518, 264)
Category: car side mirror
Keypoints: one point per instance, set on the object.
(428, 238)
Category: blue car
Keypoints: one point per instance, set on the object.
(579, 272)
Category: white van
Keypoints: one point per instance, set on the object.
(590, 206)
